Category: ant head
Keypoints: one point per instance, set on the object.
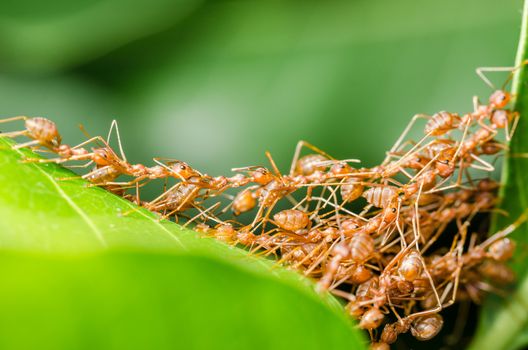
(417, 162)
(182, 170)
(262, 176)
(101, 156)
(391, 212)
(444, 163)
(499, 99)
(351, 225)
(341, 168)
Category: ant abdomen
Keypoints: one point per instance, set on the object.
(371, 319)
(291, 219)
(309, 164)
(244, 201)
(351, 190)
(411, 266)
(361, 247)
(427, 327)
(442, 122)
(381, 196)
(43, 130)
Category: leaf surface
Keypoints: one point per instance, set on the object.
(78, 273)
(504, 320)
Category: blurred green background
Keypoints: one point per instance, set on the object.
(216, 83)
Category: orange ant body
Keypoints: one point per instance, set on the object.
(43, 131)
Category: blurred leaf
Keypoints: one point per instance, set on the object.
(78, 274)
(45, 36)
(504, 321)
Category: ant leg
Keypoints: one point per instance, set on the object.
(266, 219)
(506, 231)
(320, 259)
(439, 306)
(14, 134)
(485, 165)
(257, 217)
(509, 134)
(80, 166)
(165, 194)
(480, 72)
(26, 144)
(61, 160)
(12, 119)
(328, 277)
(476, 104)
(118, 135)
(415, 149)
(138, 198)
(273, 165)
(459, 148)
(405, 132)
(166, 216)
(313, 252)
(202, 212)
(90, 140)
(106, 142)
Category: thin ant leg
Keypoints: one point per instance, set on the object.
(439, 306)
(509, 134)
(184, 202)
(320, 259)
(325, 200)
(405, 132)
(506, 231)
(310, 255)
(12, 119)
(13, 134)
(273, 165)
(202, 213)
(485, 165)
(113, 126)
(480, 72)
(26, 144)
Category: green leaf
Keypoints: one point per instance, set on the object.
(77, 273)
(504, 321)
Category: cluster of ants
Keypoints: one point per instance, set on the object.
(393, 240)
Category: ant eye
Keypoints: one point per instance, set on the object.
(393, 210)
(182, 167)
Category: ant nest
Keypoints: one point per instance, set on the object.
(393, 241)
